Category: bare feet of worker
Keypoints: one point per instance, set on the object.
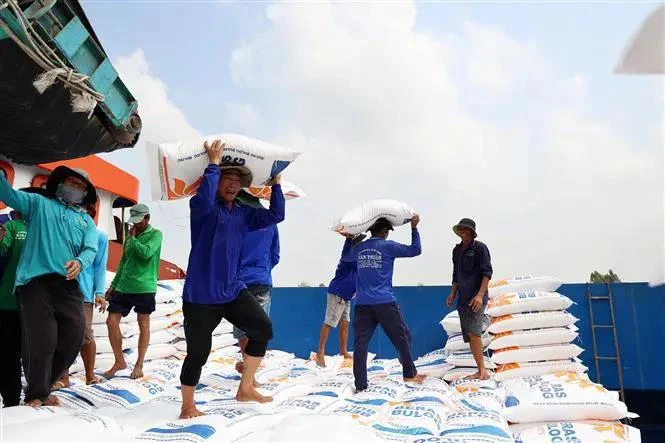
(252, 395)
(34, 403)
(478, 376)
(190, 412)
(92, 379)
(321, 359)
(137, 372)
(347, 356)
(116, 367)
(240, 366)
(417, 379)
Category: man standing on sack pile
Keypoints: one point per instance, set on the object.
(375, 302)
(341, 291)
(12, 238)
(213, 289)
(258, 256)
(92, 282)
(472, 271)
(61, 241)
(134, 286)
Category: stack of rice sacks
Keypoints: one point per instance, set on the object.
(167, 334)
(548, 394)
(457, 353)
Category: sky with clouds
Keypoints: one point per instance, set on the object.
(506, 113)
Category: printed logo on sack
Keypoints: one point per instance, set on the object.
(617, 428)
(564, 432)
(191, 433)
(370, 259)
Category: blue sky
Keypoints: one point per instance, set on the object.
(507, 111)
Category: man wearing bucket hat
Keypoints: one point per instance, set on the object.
(258, 256)
(213, 289)
(62, 241)
(472, 271)
(134, 287)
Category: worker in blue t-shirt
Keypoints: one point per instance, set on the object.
(375, 302)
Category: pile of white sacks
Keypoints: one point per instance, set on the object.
(319, 404)
(546, 394)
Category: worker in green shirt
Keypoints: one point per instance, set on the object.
(134, 286)
(12, 236)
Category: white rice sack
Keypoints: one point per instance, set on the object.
(303, 428)
(309, 404)
(517, 428)
(484, 426)
(165, 296)
(430, 356)
(25, 414)
(338, 387)
(218, 342)
(347, 364)
(286, 375)
(218, 425)
(581, 432)
(364, 411)
(284, 390)
(536, 353)
(514, 370)
(430, 396)
(516, 302)
(154, 352)
(451, 323)
(463, 385)
(466, 360)
(386, 389)
(523, 284)
(164, 371)
(458, 373)
(289, 190)
(406, 419)
(455, 343)
(83, 427)
(101, 331)
(161, 337)
(104, 344)
(175, 168)
(150, 414)
(219, 377)
(560, 397)
(72, 401)
(434, 368)
(360, 219)
(531, 320)
(122, 392)
(533, 337)
(224, 327)
(275, 358)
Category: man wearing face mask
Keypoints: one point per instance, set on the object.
(61, 241)
(213, 289)
(134, 286)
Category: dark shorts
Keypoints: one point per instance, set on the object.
(471, 322)
(121, 303)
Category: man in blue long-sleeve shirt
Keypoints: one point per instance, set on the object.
(213, 289)
(258, 257)
(375, 302)
(341, 290)
(61, 241)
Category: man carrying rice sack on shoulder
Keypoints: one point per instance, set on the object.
(472, 271)
(341, 291)
(213, 289)
(375, 302)
(61, 241)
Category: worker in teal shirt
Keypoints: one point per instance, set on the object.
(92, 282)
(61, 241)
